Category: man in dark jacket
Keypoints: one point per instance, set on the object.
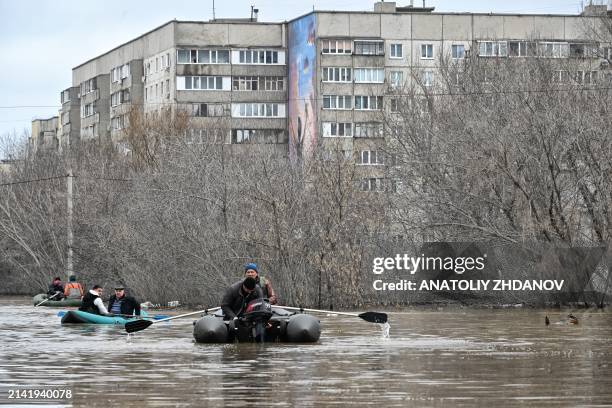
(56, 289)
(237, 297)
(120, 303)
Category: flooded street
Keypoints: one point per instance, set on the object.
(450, 357)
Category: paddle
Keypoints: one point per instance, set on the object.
(138, 325)
(47, 299)
(372, 317)
(61, 313)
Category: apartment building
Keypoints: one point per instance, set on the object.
(321, 79)
(44, 134)
(229, 76)
(358, 59)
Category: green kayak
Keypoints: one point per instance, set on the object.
(77, 316)
(55, 303)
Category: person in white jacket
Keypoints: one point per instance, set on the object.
(92, 302)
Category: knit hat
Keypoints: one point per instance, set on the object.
(252, 266)
(72, 278)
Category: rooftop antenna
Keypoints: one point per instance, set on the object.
(214, 10)
(254, 12)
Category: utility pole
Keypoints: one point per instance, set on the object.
(69, 266)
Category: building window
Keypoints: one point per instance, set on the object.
(118, 123)
(370, 75)
(368, 102)
(554, 49)
(274, 83)
(337, 74)
(334, 129)
(87, 110)
(394, 105)
(372, 184)
(202, 57)
(258, 110)
(492, 48)
(337, 102)
(369, 129)
(426, 51)
(206, 83)
(207, 109)
(257, 57)
(258, 136)
(65, 118)
(253, 83)
(396, 79)
(458, 51)
(369, 47)
(65, 96)
(336, 46)
(88, 86)
(370, 157)
(245, 83)
(427, 78)
(397, 51)
(578, 50)
(522, 49)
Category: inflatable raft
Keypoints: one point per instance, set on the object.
(262, 325)
(55, 303)
(77, 316)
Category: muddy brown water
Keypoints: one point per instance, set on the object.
(438, 358)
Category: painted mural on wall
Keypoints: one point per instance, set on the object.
(302, 103)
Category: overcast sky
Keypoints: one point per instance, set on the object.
(41, 41)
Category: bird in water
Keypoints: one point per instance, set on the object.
(547, 320)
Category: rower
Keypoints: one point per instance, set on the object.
(92, 302)
(56, 289)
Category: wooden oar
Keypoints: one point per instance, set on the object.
(138, 325)
(372, 317)
(47, 299)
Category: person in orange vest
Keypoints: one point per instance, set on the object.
(73, 289)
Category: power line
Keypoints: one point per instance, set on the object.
(32, 181)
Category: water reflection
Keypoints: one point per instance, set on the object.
(432, 358)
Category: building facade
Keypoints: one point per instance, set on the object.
(321, 79)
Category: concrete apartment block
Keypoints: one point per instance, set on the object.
(358, 56)
(44, 134)
(320, 79)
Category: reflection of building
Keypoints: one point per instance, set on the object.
(320, 79)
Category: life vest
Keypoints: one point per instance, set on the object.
(73, 290)
(88, 303)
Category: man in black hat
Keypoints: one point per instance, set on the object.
(121, 304)
(238, 296)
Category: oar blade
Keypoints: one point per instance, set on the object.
(374, 317)
(137, 325)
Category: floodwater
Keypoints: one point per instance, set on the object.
(437, 358)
